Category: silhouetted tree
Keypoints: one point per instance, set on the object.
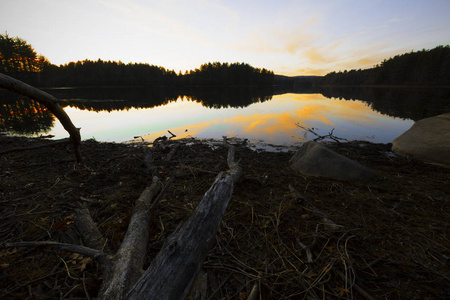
(225, 74)
(17, 56)
(19, 59)
(425, 67)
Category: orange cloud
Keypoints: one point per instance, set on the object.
(271, 40)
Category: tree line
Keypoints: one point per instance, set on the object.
(225, 74)
(425, 67)
(19, 60)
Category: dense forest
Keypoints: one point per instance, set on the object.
(424, 68)
(18, 59)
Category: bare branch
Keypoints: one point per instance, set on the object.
(50, 102)
(92, 253)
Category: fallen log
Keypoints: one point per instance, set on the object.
(173, 270)
(50, 102)
(129, 260)
(122, 269)
(88, 230)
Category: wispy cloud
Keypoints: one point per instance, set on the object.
(319, 55)
(279, 40)
(154, 18)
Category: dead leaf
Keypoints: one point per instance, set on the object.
(343, 291)
(84, 263)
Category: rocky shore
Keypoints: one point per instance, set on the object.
(290, 235)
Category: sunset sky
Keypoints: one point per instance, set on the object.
(298, 37)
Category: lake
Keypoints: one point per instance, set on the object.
(120, 114)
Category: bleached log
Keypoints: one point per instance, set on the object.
(173, 270)
(88, 230)
(129, 259)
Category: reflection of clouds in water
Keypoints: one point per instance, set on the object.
(272, 121)
(352, 120)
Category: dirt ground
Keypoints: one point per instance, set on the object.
(390, 239)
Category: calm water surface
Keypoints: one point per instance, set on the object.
(274, 121)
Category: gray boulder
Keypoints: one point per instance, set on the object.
(427, 140)
(314, 159)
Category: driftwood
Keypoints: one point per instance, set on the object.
(50, 102)
(88, 230)
(322, 137)
(121, 270)
(129, 259)
(172, 272)
(172, 153)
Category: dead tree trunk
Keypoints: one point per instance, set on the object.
(172, 272)
(50, 102)
(127, 263)
(174, 269)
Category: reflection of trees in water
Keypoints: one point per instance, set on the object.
(22, 116)
(108, 99)
(228, 97)
(406, 103)
(19, 115)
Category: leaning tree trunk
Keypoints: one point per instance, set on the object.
(50, 102)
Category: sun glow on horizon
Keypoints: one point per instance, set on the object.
(181, 35)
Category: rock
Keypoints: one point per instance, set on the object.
(314, 159)
(427, 140)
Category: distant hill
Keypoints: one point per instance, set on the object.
(421, 68)
(303, 83)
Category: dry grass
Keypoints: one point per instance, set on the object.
(284, 236)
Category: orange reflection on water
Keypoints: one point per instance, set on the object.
(194, 130)
(276, 121)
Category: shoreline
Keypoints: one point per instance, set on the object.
(387, 223)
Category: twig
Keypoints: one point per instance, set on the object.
(161, 194)
(114, 158)
(357, 287)
(299, 197)
(28, 283)
(85, 290)
(255, 292)
(322, 137)
(67, 269)
(173, 135)
(92, 253)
